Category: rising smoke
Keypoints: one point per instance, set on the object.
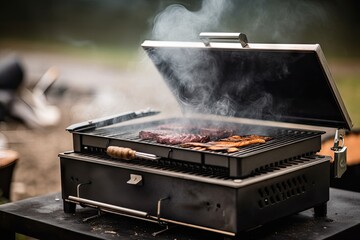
(280, 21)
(196, 76)
(178, 23)
(200, 79)
(192, 75)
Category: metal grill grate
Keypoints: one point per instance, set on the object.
(167, 164)
(200, 169)
(286, 145)
(281, 137)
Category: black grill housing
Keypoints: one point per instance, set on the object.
(221, 203)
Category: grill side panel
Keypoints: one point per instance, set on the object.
(225, 205)
(283, 195)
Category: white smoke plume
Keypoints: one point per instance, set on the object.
(197, 76)
(178, 23)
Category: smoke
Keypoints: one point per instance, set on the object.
(269, 21)
(192, 75)
(231, 83)
(178, 23)
(280, 21)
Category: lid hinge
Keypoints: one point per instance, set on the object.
(340, 151)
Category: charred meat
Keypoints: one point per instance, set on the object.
(216, 133)
(175, 139)
(153, 134)
(230, 144)
(212, 139)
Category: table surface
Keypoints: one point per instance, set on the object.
(43, 217)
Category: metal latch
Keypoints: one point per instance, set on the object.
(135, 180)
(339, 153)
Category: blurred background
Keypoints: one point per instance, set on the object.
(82, 59)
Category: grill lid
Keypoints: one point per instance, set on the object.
(278, 82)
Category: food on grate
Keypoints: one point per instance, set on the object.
(187, 133)
(232, 149)
(237, 138)
(216, 133)
(242, 143)
(153, 134)
(229, 145)
(174, 139)
(176, 134)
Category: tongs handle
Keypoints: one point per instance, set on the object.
(129, 154)
(206, 37)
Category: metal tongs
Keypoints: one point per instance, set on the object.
(339, 153)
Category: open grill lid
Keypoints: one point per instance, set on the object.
(278, 82)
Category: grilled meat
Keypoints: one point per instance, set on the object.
(174, 139)
(237, 138)
(153, 134)
(230, 144)
(242, 143)
(177, 134)
(216, 133)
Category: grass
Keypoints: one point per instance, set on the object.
(346, 73)
(349, 88)
(117, 56)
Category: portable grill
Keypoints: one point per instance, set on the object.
(216, 191)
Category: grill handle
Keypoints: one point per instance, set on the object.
(206, 37)
(144, 215)
(128, 153)
(106, 206)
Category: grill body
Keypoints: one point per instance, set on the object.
(214, 203)
(221, 192)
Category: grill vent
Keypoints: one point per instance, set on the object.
(282, 163)
(166, 164)
(202, 169)
(281, 191)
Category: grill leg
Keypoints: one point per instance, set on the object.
(69, 207)
(320, 210)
